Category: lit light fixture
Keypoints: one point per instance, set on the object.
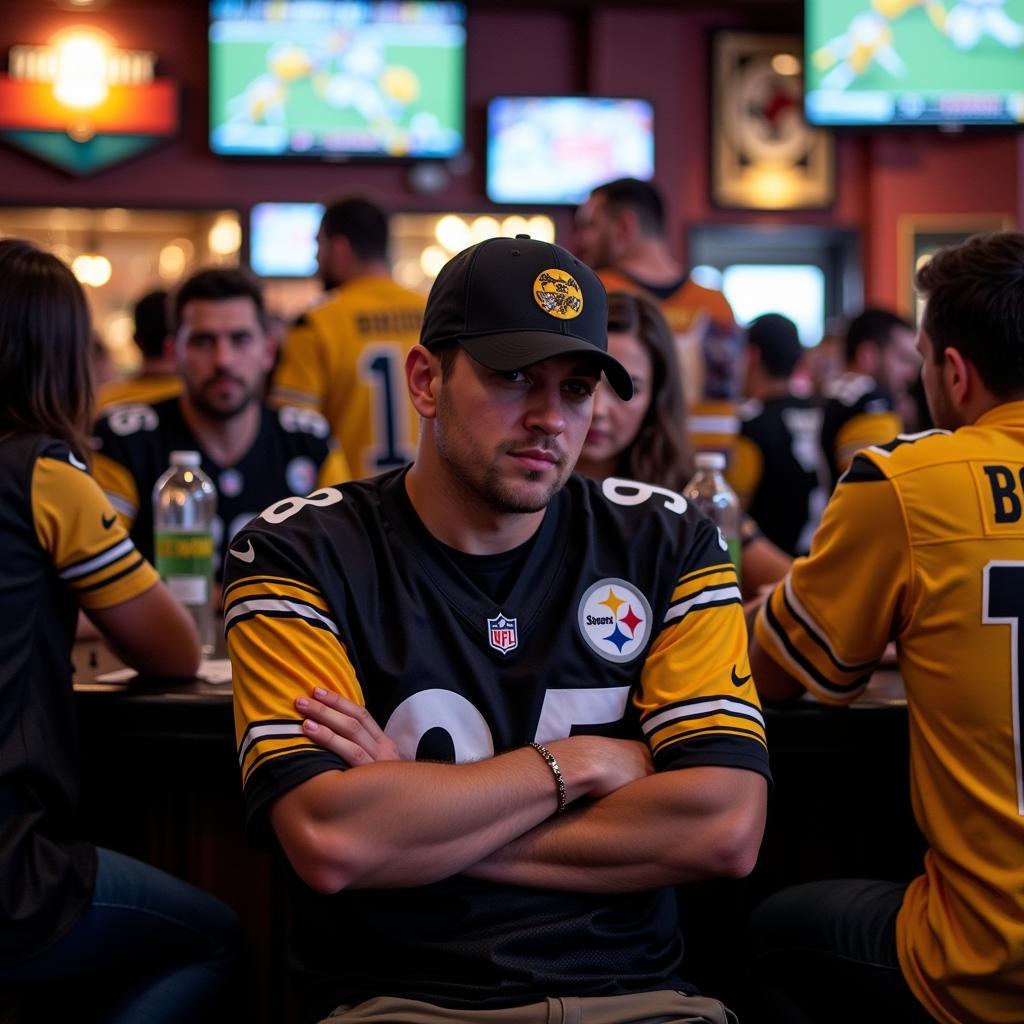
(786, 64)
(91, 269)
(452, 232)
(432, 259)
(225, 237)
(483, 228)
(80, 75)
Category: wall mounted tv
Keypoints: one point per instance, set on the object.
(282, 239)
(555, 149)
(914, 62)
(336, 79)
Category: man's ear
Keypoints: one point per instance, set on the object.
(959, 376)
(423, 377)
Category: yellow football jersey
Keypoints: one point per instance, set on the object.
(346, 359)
(923, 543)
(146, 389)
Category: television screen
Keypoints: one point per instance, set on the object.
(914, 62)
(555, 149)
(282, 239)
(336, 78)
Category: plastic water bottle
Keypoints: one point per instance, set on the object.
(184, 505)
(709, 491)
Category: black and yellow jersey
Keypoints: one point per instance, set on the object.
(624, 620)
(923, 543)
(778, 470)
(346, 359)
(292, 454)
(856, 413)
(145, 389)
(62, 547)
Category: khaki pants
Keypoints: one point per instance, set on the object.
(667, 1007)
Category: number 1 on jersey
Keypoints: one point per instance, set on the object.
(380, 368)
(1003, 604)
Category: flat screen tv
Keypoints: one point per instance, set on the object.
(555, 149)
(282, 239)
(336, 78)
(914, 62)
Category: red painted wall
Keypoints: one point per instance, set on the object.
(660, 53)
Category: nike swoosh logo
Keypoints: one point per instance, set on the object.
(108, 523)
(739, 680)
(244, 556)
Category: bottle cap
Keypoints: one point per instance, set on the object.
(190, 460)
(710, 460)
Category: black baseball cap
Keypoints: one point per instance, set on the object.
(512, 302)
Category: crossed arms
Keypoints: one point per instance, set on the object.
(392, 823)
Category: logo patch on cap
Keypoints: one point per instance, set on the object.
(558, 294)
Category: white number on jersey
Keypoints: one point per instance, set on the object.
(632, 492)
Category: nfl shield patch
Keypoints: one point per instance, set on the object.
(503, 634)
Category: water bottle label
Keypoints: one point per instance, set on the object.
(735, 552)
(185, 561)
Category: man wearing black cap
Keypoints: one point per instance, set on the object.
(491, 711)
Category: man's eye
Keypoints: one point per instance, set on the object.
(581, 388)
(512, 376)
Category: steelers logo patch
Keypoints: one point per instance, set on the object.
(558, 294)
(615, 619)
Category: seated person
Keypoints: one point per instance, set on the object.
(476, 701)
(641, 440)
(777, 468)
(158, 379)
(253, 454)
(85, 933)
(922, 543)
(860, 406)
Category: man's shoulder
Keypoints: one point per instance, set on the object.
(907, 453)
(852, 393)
(124, 432)
(299, 426)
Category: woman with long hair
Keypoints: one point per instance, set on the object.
(82, 930)
(645, 438)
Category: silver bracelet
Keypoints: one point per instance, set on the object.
(555, 770)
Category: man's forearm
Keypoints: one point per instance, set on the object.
(667, 829)
(405, 823)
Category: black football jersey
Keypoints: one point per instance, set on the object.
(62, 547)
(857, 413)
(779, 471)
(625, 621)
(292, 453)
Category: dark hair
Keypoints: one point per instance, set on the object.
(45, 341)
(975, 303)
(777, 339)
(151, 327)
(363, 223)
(877, 325)
(660, 453)
(639, 196)
(216, 284)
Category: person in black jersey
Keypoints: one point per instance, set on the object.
(493, 711)
(85, 933)
(778, 468)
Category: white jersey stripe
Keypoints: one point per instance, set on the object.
(105, 558)
(677, 611)
(255, 733)
(277, 604)
(701, 709)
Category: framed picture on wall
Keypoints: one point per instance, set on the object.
(919, 235)
(764, 155)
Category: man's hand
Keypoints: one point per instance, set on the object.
(345, 729)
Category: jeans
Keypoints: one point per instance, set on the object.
(150, 949)
(826, 952)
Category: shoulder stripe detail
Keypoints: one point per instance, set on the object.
(862, 471)
(713, 571)
(117, 550)
(306, 747)
(711, 597)
(701, 709)
(816, 633)
(267, 731)
(280, 607)
(713, 424)
(122, 505)
(100, 584)
(247, 581)
(901, 439)
(737, 733)
(696, 700)
(803, 667)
